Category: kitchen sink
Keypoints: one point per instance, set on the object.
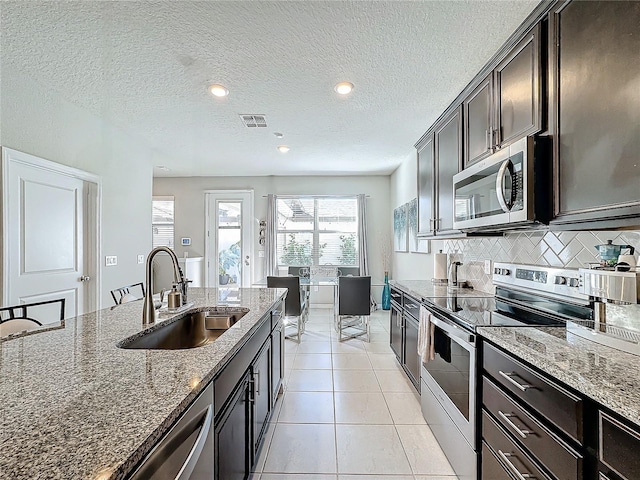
(190, 331)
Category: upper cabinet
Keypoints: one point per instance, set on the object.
(507, 104)
(595, 85)
(447, 162)
(425, 186)
(439, 159)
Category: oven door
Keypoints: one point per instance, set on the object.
(451, 375)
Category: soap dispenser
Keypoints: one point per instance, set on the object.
(174, 299)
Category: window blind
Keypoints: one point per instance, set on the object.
(162, 222)
(317, 230)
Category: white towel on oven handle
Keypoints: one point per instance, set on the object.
(425, 339)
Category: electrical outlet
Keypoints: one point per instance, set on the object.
(487, 267)
(110, 260)
(140, 258)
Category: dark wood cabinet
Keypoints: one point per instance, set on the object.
(535, 421)
(507, 104)
(395, 330)
(277, 356)
(439, 159)
(618, 447)
(478, 122)
(517, 85)
(447, 162)
(594, 71)
(403, 333)
(411, 359)
(245, 392)
(426, 179)
(260, 394)
(233, 436)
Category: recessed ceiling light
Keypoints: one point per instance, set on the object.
(343, 88)
(218, 90)
(283, 148)
(278, 134)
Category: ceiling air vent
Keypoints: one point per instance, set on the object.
(253, 120)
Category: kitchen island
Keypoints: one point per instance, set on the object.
(75, 405)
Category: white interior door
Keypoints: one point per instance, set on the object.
(229, 233)
(45, 255)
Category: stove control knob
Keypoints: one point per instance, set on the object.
(561, 280)
(574, 282)
(497, 271)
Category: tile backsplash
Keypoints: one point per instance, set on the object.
(557, 249)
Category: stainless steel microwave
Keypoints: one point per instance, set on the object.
(499, 192)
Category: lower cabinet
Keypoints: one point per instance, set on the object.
(411, 358)
(532, 427)
(245, 392)
(403, 333)
(260, 394)
(395, 330)
(232, 439)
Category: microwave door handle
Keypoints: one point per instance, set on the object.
(504, 204)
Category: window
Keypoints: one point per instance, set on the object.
(317, 230)
(162, 222)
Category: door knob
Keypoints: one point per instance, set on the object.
(84, 278)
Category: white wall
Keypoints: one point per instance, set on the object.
(404, 188)
(190, 205)
(36, 120)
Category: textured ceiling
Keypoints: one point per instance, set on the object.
(145, 66)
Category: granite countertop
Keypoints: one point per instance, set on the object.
(425, 289)
(74, 405)
(609, 376)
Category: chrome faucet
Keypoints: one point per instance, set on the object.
(453, 273)
(148, 309)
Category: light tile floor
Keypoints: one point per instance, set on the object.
(348, 412)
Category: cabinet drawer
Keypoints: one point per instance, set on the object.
(412, 307)
(396, 296)
(558, 405)
(618, 447)
(546, 447)
(492, 469)
(510, 456)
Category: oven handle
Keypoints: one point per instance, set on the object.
(504, 203)
(453, 331)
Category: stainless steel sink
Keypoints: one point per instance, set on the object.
(192, 330)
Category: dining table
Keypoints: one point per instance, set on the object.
(325, 281)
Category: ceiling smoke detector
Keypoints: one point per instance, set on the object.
(254, 120)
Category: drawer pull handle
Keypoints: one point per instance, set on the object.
(507, 418)
(520, 386)
(512, 467)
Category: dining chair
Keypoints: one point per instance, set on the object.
(354, 307)
(348, 271)
(124, 294)
(18, 318)
(302, 272)
(295, 312)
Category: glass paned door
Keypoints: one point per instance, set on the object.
(229, 253)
